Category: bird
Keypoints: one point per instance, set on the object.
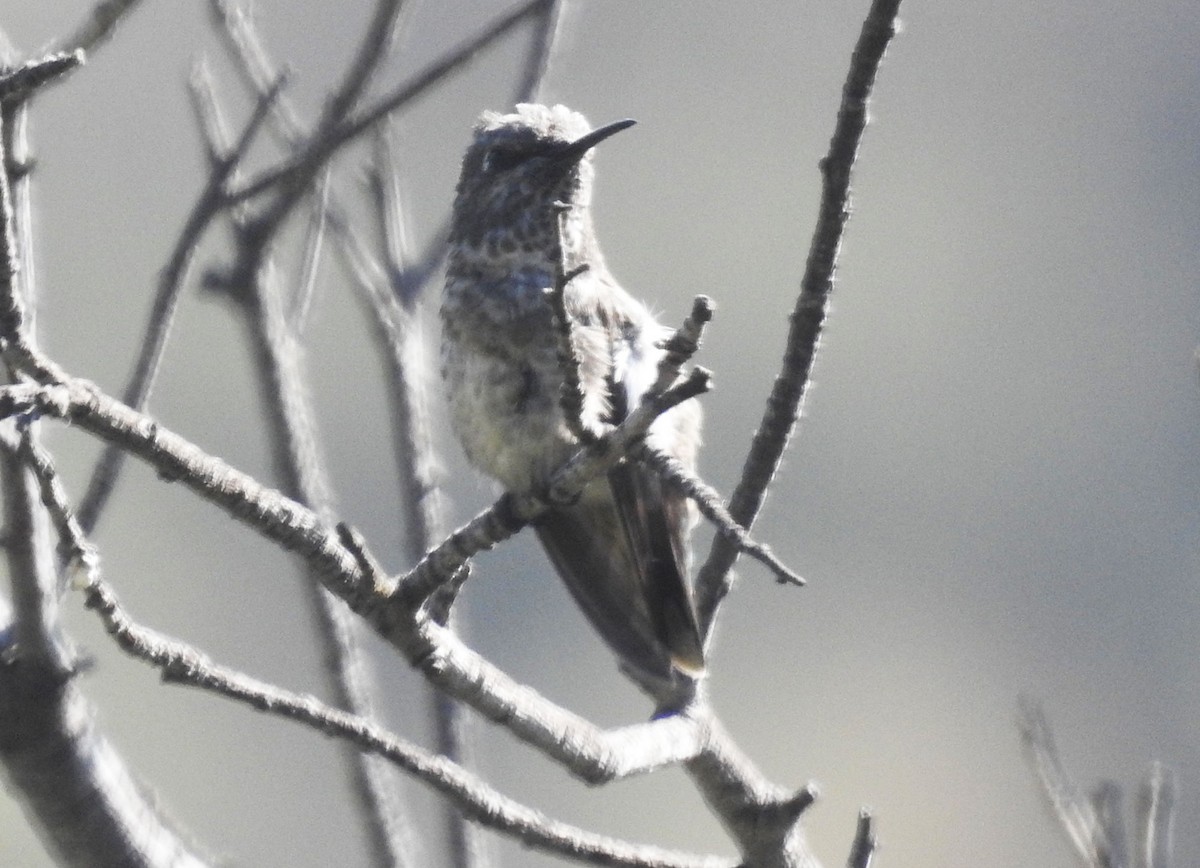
(522, 211)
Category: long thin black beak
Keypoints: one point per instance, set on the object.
(574, 152)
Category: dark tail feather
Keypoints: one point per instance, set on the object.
(655, 521)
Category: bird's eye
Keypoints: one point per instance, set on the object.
(501, 159)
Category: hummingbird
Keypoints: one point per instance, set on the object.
(522, 211)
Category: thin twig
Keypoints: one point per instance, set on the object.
(512, 512)
(541, 53)
(1154, 818)
(99, 26)
(783, 405)
(864, 842)
(684, 342)
(1074, 813)
(709, 503)
(76, 553)
(319, 151)
(17, 85)
(313, 246)
(377, 36)
(571, 397)
(293, 437)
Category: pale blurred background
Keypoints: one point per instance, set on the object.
(993, 490)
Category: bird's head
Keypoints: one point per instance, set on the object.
(519, 173)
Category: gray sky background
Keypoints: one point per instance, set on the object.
(993, 490)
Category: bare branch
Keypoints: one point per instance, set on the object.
(1074, 813)
(17, 85)
(377, 36)
(400, 345)
(591, 754)
(708, 501)
(87, 804)
(99, 27)
(90, 809)
(183, 664)
(31, 570)
(1154, 819)
(783, 406)
(684, 342)
(864, 842)
(541, 52)
(295, 446)
(1110, 818)
(571, 397)
(512, 512)
(320, 150)
(12, 306)
(76, 553)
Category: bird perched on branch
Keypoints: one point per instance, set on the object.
(521, 214)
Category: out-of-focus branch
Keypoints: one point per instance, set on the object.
(401, 348)
(377, 36)
(1154, 817)
(1096, 827)
(1110, 818)
(299, 462)
(76, 789)
(88, 808)
(320, 148)
(17, 85)
(209, 206)
(293, 438)
(783, 405)
(541, 53)
(864, 842)
(99, 27)
(1075, 814)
